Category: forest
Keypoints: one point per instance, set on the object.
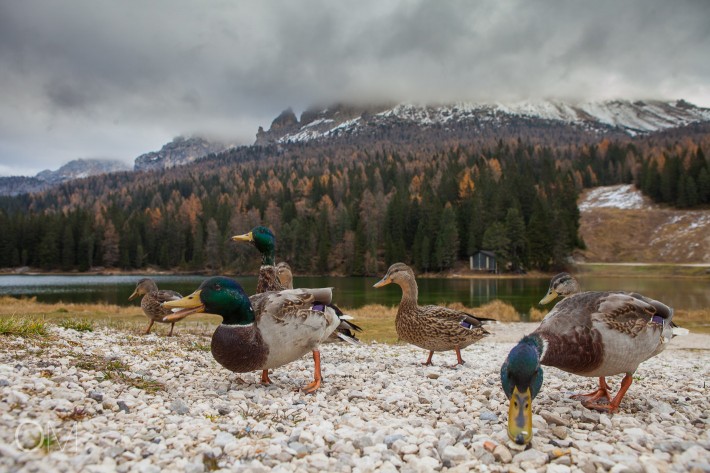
(347, 210)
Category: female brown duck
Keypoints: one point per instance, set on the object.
(431, 327)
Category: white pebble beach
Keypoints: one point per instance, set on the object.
(110, 400)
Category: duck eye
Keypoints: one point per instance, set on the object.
(217, 287)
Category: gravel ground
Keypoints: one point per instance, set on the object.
(115, 401)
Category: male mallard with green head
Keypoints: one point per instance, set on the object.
(431, 327)
(594, 334)
(263, 331)
(265, 242)
(152, 302)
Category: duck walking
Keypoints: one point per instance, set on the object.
(263, 331)
(594, 334)
(152, 302)
(431, 327)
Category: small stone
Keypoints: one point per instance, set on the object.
(97, 396)
(362, 442)
(4, 382)
(123, 407)
(390, 439)
(300, 449)
(557, 468)
(455, 454)
(502, 454)
(223, 411)
(432, 375)
(487, 415)
(559, 432)
(553, 418)
(603, 449)
(533, 458)
(223, 438)
(178, 406)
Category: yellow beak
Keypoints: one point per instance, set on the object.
(133, 296)
(191, 305)
(520, 417)
(382, 282)
(549, 297)
(245, 237)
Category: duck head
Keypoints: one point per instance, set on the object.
(218, 295)
(521, 377)
(563, 284)
(264, 241)
(398, 273)
(143, 287)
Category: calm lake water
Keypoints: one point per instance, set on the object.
(522, 293)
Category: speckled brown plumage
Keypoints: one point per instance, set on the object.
(431, 327)
(604, 332)
(152, 301)
(268, 280)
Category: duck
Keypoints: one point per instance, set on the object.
(592, 334)
(264, 241)
(152, 301)
(432, 327)
(561, 285)
(283, 272)
(264, 331)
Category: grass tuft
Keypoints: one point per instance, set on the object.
(23, 326)
(80, 325)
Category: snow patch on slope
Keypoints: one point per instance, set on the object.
(615, 197)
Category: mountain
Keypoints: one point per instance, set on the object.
(75, 169)
(182, 150)
(617, 117)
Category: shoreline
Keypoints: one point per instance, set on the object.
(109, 400)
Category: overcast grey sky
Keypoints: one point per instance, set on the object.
(115, 79)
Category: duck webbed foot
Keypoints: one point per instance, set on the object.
(603, 391)
(613, 405)
(459, 360)
(265, 377)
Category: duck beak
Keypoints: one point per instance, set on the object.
(190, 304)
(245, 237)
(520, 417)
(549, 297)
(382, 282)
(133, 296)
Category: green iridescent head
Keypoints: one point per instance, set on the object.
(218, 295)
(264, 241)
(521, 377)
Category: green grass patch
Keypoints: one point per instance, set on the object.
(23, 326)
(80, 325)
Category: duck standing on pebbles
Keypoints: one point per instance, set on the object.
(265, 242)
(595, 334)
(263, 331)
(152, 302)
(431, 327)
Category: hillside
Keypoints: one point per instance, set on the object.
(619, 224)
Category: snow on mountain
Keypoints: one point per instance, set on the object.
(624, 116)
(614, 197)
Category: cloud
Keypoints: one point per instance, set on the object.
(116, 79)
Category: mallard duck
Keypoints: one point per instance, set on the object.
(152, 302)
(594, 334)
(283, 272)
(265, 242)
(263, 331)
(431, 327)
(563, 284)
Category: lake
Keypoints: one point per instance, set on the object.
(351, 292)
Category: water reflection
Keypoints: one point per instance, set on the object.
(522, 293)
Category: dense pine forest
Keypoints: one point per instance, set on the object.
(346, 209)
